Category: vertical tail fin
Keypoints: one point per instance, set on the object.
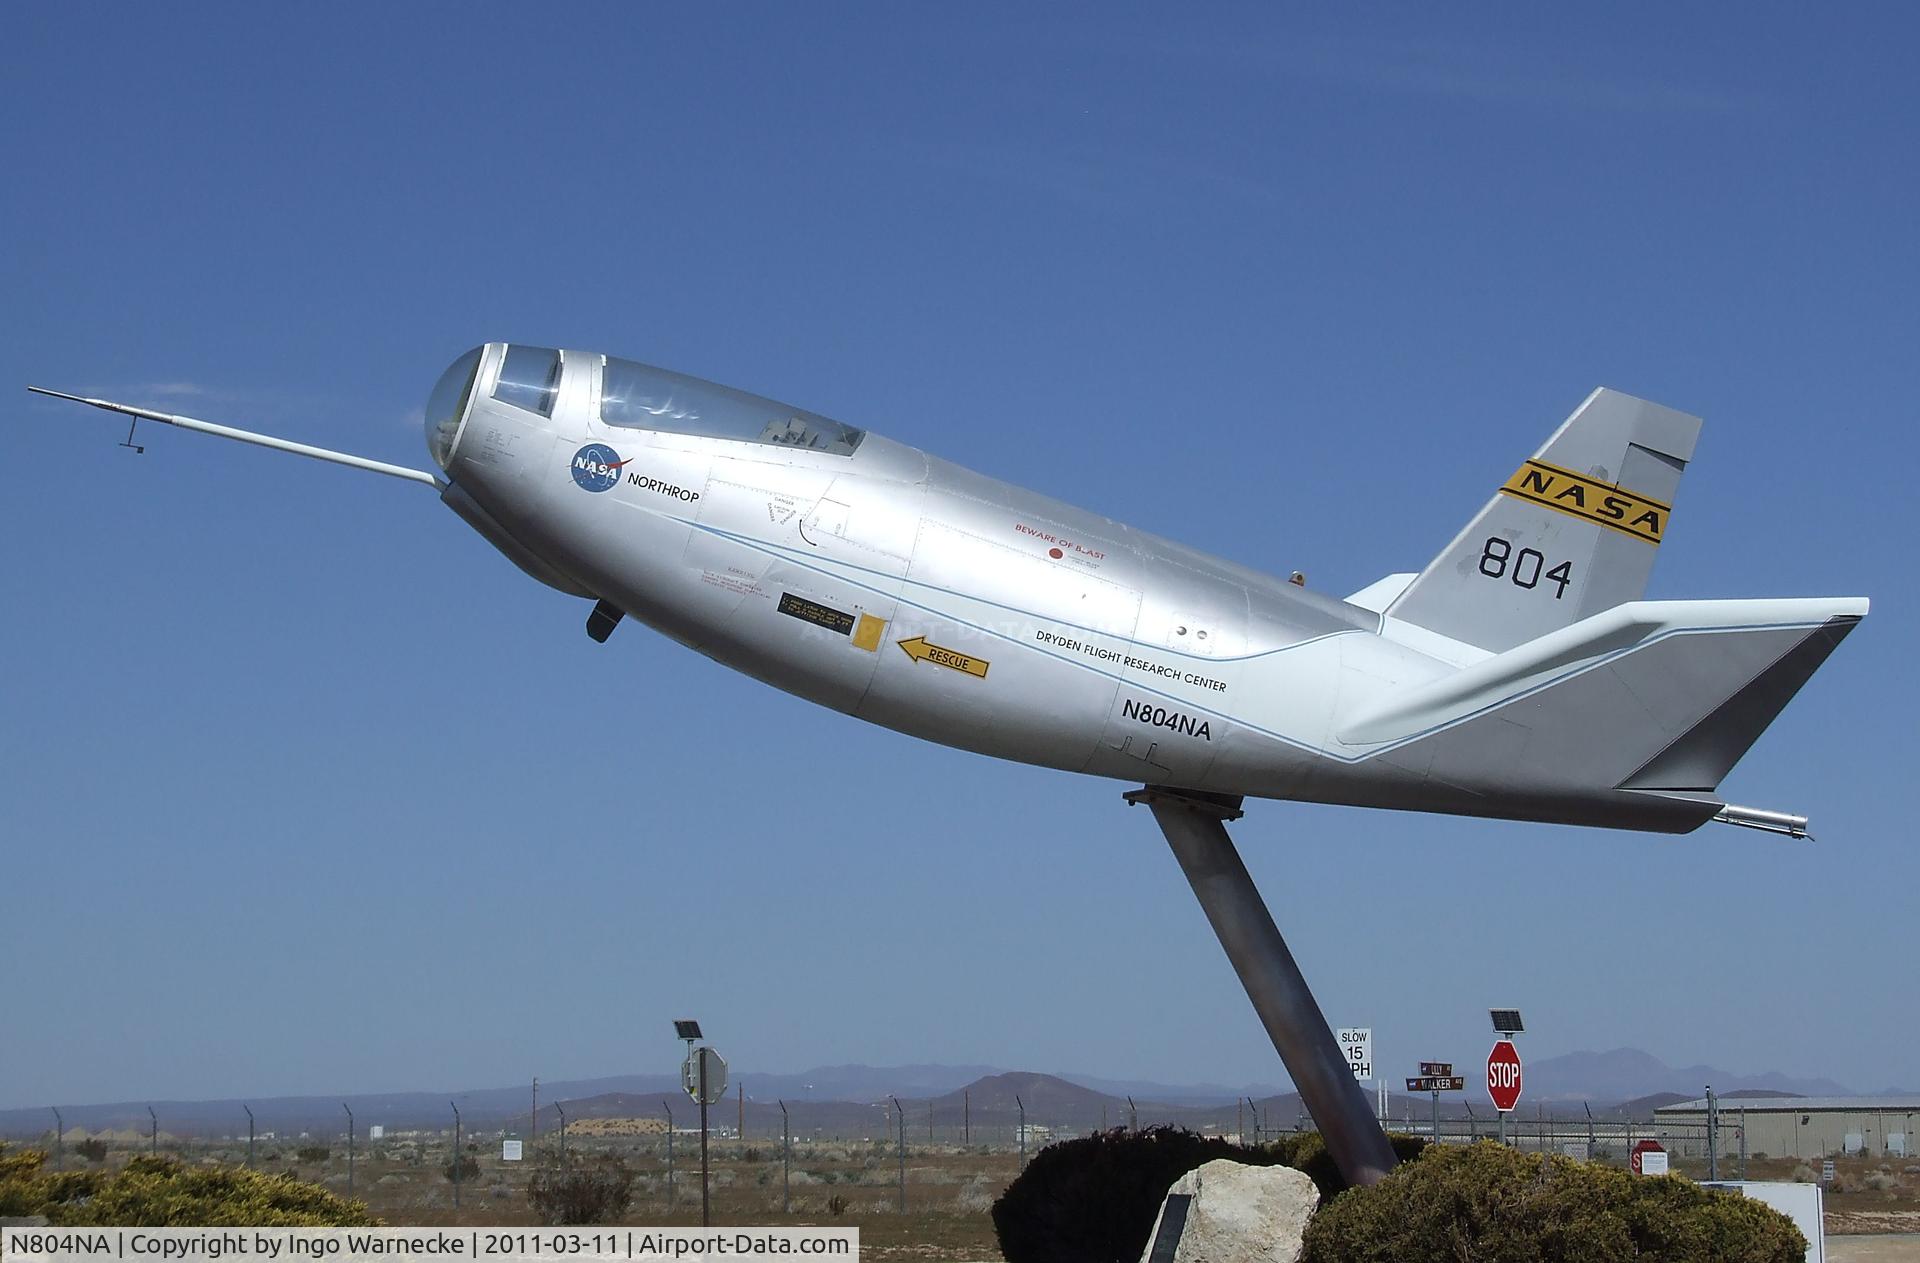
(1574, 531)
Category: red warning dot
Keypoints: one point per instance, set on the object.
(1055, 553)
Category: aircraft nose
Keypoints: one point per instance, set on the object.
(447, 406)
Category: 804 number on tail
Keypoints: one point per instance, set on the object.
(1524, 569)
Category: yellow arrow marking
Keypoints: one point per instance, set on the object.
(919, 650)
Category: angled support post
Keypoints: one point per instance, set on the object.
(1195, 826)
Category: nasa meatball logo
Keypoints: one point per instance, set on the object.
(596, 467)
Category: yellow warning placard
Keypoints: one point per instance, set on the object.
(920, 650)
(868, 631)
(1589, 499)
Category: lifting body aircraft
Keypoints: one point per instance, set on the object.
(1521, 675)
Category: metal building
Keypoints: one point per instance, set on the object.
(1798, 1126)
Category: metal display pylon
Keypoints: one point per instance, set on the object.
(1195, 826)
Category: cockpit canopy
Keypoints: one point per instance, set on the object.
(639, 396)
(626, 395)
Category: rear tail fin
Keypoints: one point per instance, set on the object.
(1572, 532)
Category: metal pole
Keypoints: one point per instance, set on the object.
(343, 1105)
(700, 1073)
(1436, 1116)
(563, 1131)
(1240, 1121)
(966, 1118)
(1503, 1126)
(1195, 829)
(1133, 1115)
(740, 1101)
(533, 1125)
(1023, 1131)
(1589, 1109)
(669, 1109)
(1473, 1123)
(59, 1139)
(249, 1110)
(786, 1161)
(153, 1136)
(902, 1150)
(1743, 1142)
(456, 1155)
(1713, 1135)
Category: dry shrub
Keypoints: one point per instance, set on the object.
(975, 1197)
(594, 1192)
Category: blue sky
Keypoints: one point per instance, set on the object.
(304, 788)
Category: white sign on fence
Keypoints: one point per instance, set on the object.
(509, 1151)
(1356, 1044)
(1653, 1162)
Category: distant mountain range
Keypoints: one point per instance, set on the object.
(856, 1100)
(1628, 1073)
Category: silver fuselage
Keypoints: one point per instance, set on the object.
(913, 593)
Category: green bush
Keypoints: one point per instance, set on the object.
(314, 1153)
(594, 1192)
(161, 1192)
(1493, 1205)
(1093, 1200)
(93, 1149)
(1306, 1151)
(464, 1169)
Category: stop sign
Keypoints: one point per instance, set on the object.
(1503, 1076)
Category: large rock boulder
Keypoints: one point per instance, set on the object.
(1237, 1214)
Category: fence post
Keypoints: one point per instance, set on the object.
(901, 1121)
(786, 1161)
(669, 1109)
(456, 1155)
(1713, 1138)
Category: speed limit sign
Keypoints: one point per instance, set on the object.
(1356, 1045)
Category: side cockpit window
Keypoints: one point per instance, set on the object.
(529, 378)
(638, 396)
